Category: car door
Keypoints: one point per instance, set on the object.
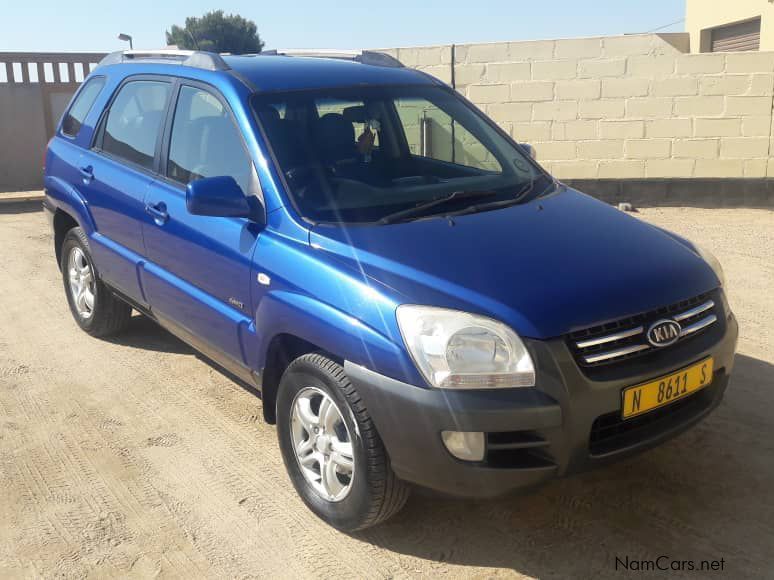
(197, 278)
(116, 173)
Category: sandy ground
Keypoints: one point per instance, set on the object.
(135, 458)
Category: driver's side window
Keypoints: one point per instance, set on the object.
(205, 142)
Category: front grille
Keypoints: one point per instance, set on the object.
(626, 338)
(610, 433)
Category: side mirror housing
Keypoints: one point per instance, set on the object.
(529, 149)
(217, 197)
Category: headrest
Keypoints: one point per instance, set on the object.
(333, 130)
(356, 114)
(269, 115)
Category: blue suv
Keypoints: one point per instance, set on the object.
(416, 300)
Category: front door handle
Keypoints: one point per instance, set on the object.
(158, 212)
(87, 173)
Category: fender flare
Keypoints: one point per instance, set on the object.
(323, 325)
(64, 197)
(319, 326)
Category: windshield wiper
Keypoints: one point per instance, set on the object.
(420, 208)
(517, 197)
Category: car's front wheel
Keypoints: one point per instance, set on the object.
(95, 308)
(331, 449)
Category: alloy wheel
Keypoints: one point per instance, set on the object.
(322, 444)
(82, 286)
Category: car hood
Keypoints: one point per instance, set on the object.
(555, 264)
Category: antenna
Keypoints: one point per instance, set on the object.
(196, 42)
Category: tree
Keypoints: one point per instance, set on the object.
(217, 32)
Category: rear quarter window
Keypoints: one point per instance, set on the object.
(75, 115)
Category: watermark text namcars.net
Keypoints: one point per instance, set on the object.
(667, 563)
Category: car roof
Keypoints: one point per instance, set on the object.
(278, 73)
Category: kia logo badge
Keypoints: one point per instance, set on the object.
(663, 333)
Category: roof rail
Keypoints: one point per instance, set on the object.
(192, 58)
(371, 57)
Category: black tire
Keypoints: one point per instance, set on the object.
(109, 315)
(376, 493)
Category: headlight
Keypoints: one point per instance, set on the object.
(457, 350)
(710, 258)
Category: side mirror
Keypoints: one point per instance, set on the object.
(217, 197)
(529, 149)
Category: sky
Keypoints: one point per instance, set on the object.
(84, 25)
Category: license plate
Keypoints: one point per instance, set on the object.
(642, 398)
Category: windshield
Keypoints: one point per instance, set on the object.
(368, 154)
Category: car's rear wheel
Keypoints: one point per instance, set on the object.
(95, 308)
(331, 449)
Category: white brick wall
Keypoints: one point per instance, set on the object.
(621, 107)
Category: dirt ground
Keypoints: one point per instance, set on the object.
(134, 458)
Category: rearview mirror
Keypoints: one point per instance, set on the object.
(529, 149)
(217, 197)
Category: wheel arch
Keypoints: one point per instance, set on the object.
(61, 195)
(63, 223)
(283, 349)
(300, 324)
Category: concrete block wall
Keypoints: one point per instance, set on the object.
(625, 107)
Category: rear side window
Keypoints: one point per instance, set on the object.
(431, 132)
(205, 142)
(134, 120)
(74, 117)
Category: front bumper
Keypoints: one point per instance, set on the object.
(566, 424)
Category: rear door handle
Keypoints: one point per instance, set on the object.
(87, 173)
(158, 212)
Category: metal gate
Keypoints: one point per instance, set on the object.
(34, 91)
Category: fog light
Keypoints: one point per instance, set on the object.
(465, 445)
